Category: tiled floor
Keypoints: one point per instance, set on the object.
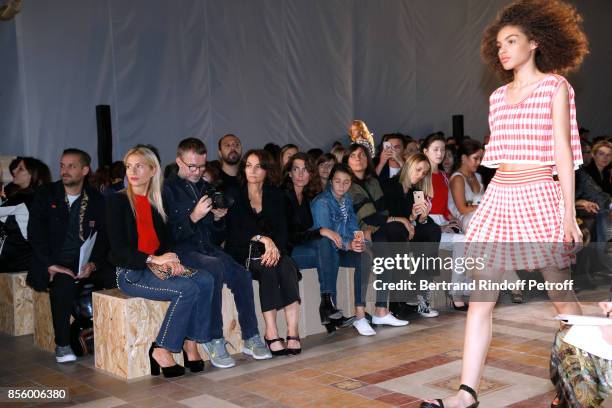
(397, 367)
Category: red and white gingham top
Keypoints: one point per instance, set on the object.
(523, 132)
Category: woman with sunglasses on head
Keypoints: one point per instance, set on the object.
(140, 245)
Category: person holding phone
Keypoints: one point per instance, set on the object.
(391, 158)
(374, 220)
(333, 210)
(408, 195)
(534, 135)
(310, 246)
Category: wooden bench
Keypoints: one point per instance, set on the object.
(44, 337)
(16, 305)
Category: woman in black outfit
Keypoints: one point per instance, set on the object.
(29, 174)
(140, 241)
(399, 195)
(257, 223)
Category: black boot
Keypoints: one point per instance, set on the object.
(326, 308)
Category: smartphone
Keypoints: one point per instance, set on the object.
(419, 197)
(359, 235)
(387, 145)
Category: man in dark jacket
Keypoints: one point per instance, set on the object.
(198, 228)
(63, 215)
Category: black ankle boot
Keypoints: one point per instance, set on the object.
(326, 308)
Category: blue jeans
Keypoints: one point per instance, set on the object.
(225, 269)
(323, 254)
(188, 315)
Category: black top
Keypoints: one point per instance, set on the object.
(123, 233)
(69, 252)
(228, 181)
(300, 220)
(397, 202)
(243, 223)
(602, 179)
(48, 228)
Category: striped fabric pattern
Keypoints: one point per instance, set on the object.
(520, 221)
(523, 132)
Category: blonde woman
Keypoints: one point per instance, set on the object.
(140, 238)
(402, 195)
(360, 134)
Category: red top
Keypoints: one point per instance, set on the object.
(523, 132)
(439, 202)
(147, 237)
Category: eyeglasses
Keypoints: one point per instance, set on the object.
(193, 167)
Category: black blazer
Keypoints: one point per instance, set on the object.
(47, 230)
(123, 233)
(242, 223)
(300, 220)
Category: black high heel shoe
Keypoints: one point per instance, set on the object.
(463, 387)
(561, 403)
(281, 352)
(169, 372)
(294, 351)
(194, 366)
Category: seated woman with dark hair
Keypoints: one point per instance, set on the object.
(332, 211)
(373, 217)
(257, 236)
(324, 165)
(141, 244)
(28, 175)
(310, 247)
(401, 193)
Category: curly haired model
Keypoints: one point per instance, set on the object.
(534, 134)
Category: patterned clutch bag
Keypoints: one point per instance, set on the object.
(163, 272)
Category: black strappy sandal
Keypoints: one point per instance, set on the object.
(294, 351)
(561, 403)
(463, 387)
(281, 352)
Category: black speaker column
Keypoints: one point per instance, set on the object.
(458, 128)
(105, 135)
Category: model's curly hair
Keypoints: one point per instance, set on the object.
(553, 24)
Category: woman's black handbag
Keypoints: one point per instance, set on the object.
(256, 250)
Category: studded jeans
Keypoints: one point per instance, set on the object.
(188, 315)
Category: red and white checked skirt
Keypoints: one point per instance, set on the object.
(519, 222)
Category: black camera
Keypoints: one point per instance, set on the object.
(219, 198)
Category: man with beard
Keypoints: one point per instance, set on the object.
(230, 153)
(63, 215)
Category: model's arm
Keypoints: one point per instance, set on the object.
(565, 162)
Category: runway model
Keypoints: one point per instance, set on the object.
(533, 136)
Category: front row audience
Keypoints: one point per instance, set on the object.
(165, 238)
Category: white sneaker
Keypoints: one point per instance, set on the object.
(389, 320)
(363, 327)
(64, 354)
(424, 310)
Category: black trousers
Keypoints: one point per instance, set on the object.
(62, 292)
(278, 286)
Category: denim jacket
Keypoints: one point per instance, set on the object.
(326, 213)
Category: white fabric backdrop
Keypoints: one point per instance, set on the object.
(268, 70)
